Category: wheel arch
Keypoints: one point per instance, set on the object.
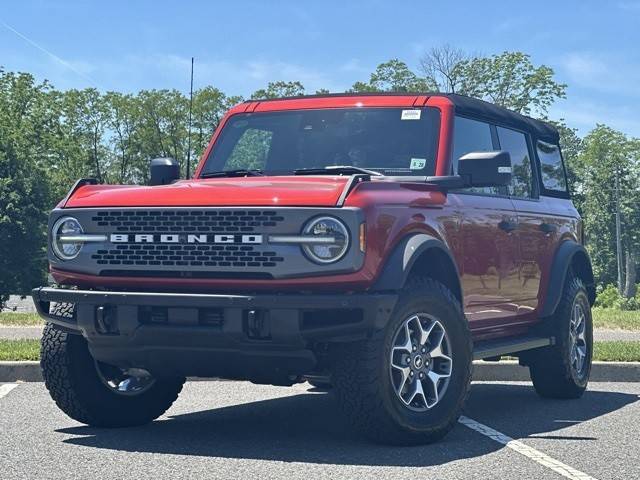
(569, 257)
(424, 255)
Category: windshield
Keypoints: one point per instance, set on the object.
(392, 141)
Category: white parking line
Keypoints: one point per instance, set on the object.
(5, 388)
(527, 451)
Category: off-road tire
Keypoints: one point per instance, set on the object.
(550, 367)
(72, 379)
(362, 382)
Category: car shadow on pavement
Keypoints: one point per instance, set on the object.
(309, 428)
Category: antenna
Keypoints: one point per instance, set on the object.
(189, 133)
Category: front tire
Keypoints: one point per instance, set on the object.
(407, 384)
(562, 370)
(97, 394)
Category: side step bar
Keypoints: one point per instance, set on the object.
(506, 346)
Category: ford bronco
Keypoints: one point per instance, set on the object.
(376, 244)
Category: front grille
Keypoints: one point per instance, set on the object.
(187, 221)
(201, 242)
(187, 255)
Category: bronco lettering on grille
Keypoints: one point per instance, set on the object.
(184, 238)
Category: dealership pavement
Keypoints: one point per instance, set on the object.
(220, 429)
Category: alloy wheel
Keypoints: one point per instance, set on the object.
(129, 382)
(577, 339)
(421, 362)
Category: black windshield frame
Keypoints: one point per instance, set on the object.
(316, 138)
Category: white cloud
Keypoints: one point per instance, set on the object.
(605, 73)
(136, 72)
(629, 6)
(585, 114)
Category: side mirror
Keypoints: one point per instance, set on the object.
(485, 169)
(164, 171)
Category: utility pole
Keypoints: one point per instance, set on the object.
(189, 133)
(618, 239)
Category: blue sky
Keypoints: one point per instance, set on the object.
(239, 46)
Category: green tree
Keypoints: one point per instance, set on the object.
(393, 76)
(279, 89)
(607, 154)
(124, 112)
(25, 120)
(510, 80)
(163, 129)
(209, 106)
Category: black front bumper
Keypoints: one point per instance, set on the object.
(264, 336)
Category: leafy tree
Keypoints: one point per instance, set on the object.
(209, 106)
(25, 117)
(393, 76)
(124, 117)
(607, 154)
(510, 80)
(279, 89)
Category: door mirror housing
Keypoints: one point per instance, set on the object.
(164, 171)
(478, 169)
(485, 169)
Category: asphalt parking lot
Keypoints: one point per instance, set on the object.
(220, 429)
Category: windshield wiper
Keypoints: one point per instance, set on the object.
(336, 170)
(241, 172)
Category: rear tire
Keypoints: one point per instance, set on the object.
(562, 370)
(376, 380)
(78, 386)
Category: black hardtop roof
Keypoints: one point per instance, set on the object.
(465, 106)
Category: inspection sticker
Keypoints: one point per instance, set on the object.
(417, 163)
(411, 114)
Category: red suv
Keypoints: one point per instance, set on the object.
(377, 244)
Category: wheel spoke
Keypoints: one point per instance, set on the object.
(404, 373)
(436, 350)
(422, 333)
(417, 392)
(407, 345)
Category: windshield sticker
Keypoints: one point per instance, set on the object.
(411, 114)
(418, 163)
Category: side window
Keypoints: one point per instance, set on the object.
(472, 136)
(551, 167)
(516, 144)
(251, 151)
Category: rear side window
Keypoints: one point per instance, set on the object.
(522, 177)
(551, 167)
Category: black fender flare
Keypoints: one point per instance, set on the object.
(399, 264)
(562, 260)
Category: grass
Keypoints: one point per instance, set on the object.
(19, 350)
(603, 351)
(14, 319)
(617, 351)
(602, 318)
(616, 319)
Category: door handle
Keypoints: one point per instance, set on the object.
(508, 225)
(548, 227)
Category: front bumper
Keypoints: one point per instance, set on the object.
(265, 336)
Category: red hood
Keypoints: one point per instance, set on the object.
(305, 191)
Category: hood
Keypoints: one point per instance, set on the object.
(304, 191)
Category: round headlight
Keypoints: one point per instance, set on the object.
(331, 239)
(64, 249)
